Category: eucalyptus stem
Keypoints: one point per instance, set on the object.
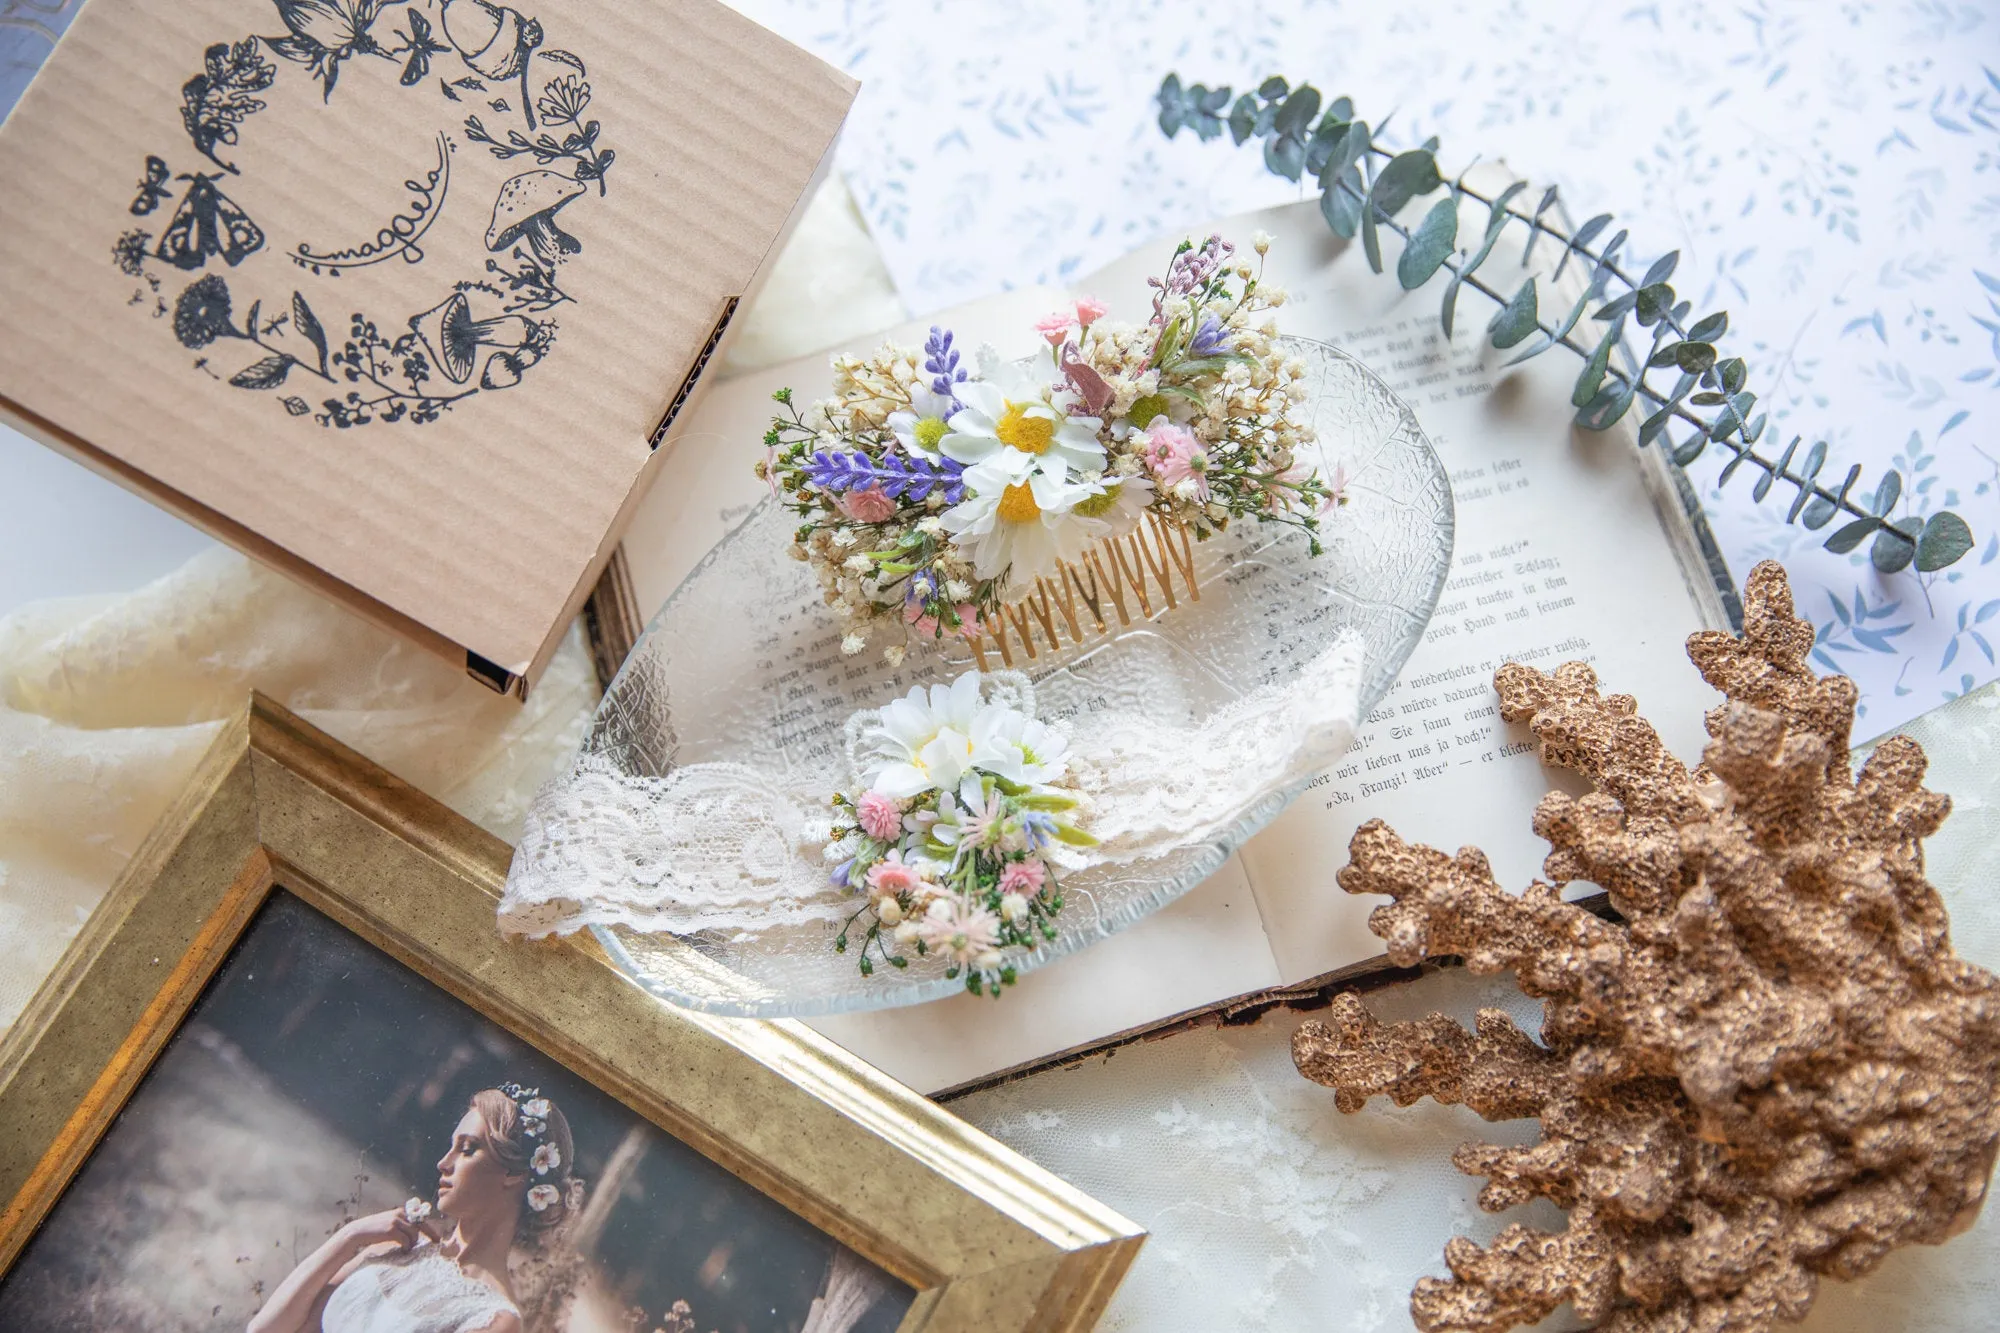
(1364, 186)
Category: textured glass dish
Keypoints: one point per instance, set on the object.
(743, 664)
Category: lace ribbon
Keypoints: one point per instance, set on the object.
(726, 847)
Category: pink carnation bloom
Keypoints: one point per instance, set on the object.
(869, 506)
(1089, 310)
(1023, 877)
(881, 816)
(891, 876)
(1054, 328)
(1170, 451)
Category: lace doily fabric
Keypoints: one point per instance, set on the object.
(728, 849)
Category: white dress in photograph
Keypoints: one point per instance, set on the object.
(421, 1291)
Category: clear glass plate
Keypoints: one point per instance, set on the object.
(743, 664)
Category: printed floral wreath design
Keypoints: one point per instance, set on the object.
(446, 351)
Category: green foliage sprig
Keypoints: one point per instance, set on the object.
(1364, 185)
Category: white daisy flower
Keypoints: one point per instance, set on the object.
(1021, 424)
(546, 1159)
(927, 738)
(920, 429)
(1119, 503)
(1018, 526)
(1024, 750)
(543, 1197)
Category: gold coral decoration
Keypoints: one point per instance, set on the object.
(1773, 1069)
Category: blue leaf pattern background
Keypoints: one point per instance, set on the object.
(1830, 173)
(1828, 169)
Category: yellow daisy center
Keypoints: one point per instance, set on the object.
(1017, 505)
(929, 431)
(1018, 430)
(1090, 506)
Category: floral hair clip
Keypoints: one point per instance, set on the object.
(955, 841)
(1027, 504)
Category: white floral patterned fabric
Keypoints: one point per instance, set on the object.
(1830, 173)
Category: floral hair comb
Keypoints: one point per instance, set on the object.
(771, 819)
(1023, 506)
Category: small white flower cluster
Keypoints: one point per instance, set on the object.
(952, 844)
(547, 1158)
(931, 495)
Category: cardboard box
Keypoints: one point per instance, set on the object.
(400, 296)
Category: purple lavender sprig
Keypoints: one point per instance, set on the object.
(1190, 271)
(941, 361)
(1211, 339)
(895, 474)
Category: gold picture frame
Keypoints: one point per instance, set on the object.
(987, 1240)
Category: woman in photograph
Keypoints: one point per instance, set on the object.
(505, 1179)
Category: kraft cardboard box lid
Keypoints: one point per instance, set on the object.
(398, 295)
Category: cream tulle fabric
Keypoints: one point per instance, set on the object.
(721, 846)
(106, 704)
(419, 1292)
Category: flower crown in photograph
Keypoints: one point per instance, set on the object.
(980, 504)
(547, 1157)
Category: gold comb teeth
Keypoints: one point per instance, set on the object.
(1125, 575)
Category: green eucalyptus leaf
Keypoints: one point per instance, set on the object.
(1887, 492)
(1733, 373)
(1340, 205)
(1690, 449)
(1405, 177)
(1515, 320)
(1763, 487)
(1584, 236)
(1815, 460)
(1348, 148)
(1271, 89)
(1945, 538)
(1242, 118)
(1709, 398)
(1342, 109)
(1819, 511)
(1535, 226)
(1295, 115)
(1604, 411)
(1593, 370)
(1694, 357)
(1654, 424)
(1618, 306)
(1652, 301)
(1710, 328)
(1848, 536)
(1662, 269)
(1285, 156)
(1450, 304)
(1896, 545)
(1664, 354)
(1429, 246)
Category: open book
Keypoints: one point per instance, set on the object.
(1570, 546)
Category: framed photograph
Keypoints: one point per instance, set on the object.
(290, 1078)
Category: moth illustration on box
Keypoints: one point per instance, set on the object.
(464, 336)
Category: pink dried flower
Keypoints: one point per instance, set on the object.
(881, 816)
(959, 929)
(1336, 489)
(869, 506)
(891, 876)
(1089, 310)
(1023, 877)
(1175, 455)
(1054, 328)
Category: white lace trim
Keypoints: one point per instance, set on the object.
(726, 847)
